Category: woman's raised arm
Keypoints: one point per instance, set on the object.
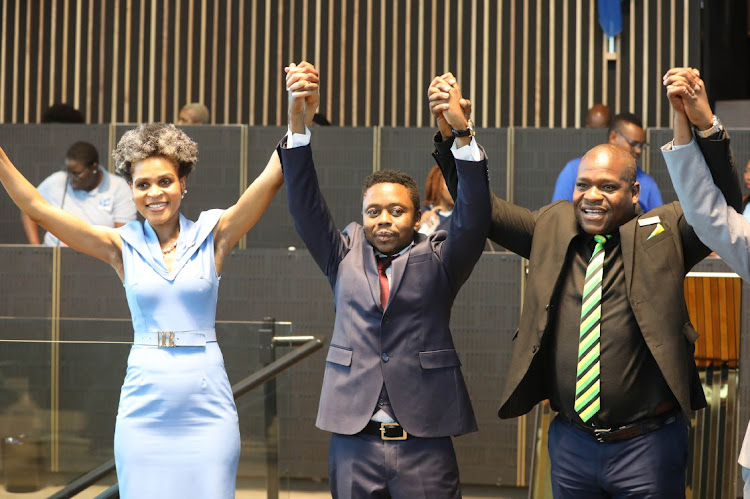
(103, 243)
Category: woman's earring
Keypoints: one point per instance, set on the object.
(183, 194)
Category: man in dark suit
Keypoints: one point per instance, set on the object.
(393, 393)
(605, 333)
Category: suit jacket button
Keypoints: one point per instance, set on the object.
(385, 357)
(534, 348)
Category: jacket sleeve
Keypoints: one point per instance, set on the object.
(308, 208)
(469, 223)
(720, 160)
(715, 222)
(511, 226)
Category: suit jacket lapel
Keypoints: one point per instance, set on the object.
(369, 263)
(627, 245)
(397, 272)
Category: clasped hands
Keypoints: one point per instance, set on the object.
(303, 86)
(687, 95)
(450, 109)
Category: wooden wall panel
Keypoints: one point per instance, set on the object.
(714, 304)
(528, 63)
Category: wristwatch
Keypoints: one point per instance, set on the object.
(466, 132)
(716, 127)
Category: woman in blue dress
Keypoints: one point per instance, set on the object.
(176, 434)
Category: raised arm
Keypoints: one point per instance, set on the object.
(31, 229)
(511, 226)
(239, 218)
(100, 242)
(308, 208)
(438, 95)
(687, 94)
(704, 187)
(717, 224)
(471, 213)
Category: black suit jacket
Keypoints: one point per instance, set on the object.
(655, 269)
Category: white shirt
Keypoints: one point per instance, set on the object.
(108, 203)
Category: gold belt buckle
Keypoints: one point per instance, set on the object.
(165, 339)
(384, 437)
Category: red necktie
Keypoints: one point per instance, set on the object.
(383, 264)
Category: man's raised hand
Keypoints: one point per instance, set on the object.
(303, 86)
(439, 97)
(687, 94)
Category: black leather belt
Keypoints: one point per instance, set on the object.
(628, 431)
(386, 431)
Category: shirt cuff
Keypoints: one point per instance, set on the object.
(670, 146)
(467, 153)
(297, 139)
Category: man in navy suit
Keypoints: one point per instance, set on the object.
(393, 393)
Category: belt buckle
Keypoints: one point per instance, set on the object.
(383, 427)
(165, 339)
(600, 433)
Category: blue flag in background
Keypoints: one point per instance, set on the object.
(610, 17)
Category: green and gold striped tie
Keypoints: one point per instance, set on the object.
(587, 374)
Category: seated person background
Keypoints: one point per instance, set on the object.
(62, 113)
(598, 116)
(86, 190)
(194, 113)
(437, 207)
(626, 132)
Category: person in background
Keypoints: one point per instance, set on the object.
(62, 113)
(437, 206)
(598, 116)
(194, 113)
(85, 190)
(746, 199)
(625, 131)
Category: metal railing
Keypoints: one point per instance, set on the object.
(305, 346)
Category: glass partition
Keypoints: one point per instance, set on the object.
(59, 390)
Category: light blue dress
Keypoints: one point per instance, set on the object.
(177, 433)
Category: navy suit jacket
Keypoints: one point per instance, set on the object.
(408, 346)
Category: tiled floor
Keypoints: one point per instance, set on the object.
(294, 489)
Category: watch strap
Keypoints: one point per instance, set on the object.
(466, 132)
(716, 127)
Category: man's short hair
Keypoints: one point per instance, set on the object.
(614, 125)
(84, 152)
(393, 177)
